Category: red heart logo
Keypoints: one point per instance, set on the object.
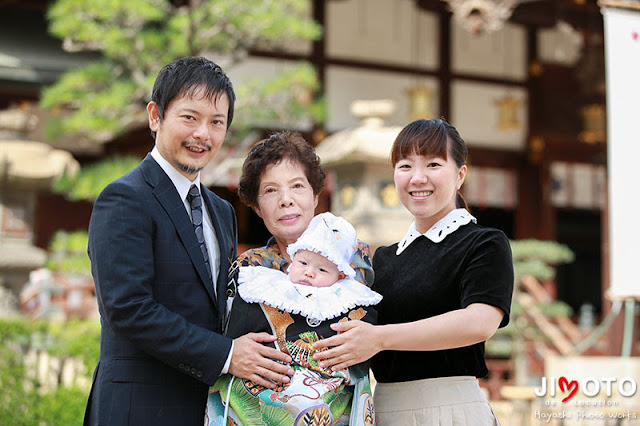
(572, 387)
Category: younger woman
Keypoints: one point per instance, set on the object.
(446, 288)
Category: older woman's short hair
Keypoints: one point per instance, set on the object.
(271, 151)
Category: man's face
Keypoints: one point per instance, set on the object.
(191, 132)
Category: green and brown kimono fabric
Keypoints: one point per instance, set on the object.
(315, 396)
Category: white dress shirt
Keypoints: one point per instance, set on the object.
(183, 185)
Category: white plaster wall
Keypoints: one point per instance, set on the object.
(622, 52)
(475, 115)
(252, 68)
(345, 85)
(383, 31)
(500, 54)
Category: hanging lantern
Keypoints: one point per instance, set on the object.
(420, 97)
(508, 113)
(593, 124)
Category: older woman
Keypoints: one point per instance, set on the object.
(281, 181)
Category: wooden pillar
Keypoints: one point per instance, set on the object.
(534, 215)
(445, 66)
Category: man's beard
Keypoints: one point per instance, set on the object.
(188, 169)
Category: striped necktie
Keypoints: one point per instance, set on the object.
(195, 201)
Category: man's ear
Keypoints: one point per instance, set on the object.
(154, 116)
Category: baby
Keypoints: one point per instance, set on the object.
(298, 308)
(311, 268)
(320, 284)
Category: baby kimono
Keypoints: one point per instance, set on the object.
(298, 315)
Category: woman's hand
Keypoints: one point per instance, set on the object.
(356, 341)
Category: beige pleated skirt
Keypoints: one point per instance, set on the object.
(445, 401)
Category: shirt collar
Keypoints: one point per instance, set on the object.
(445, 226)
(180, 181)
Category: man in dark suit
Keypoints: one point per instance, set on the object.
(160, 245)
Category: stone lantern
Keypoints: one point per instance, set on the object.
(26, 168)
(358, 161)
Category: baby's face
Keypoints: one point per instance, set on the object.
(310, 268)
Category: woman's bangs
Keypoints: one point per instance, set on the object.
(428, 143)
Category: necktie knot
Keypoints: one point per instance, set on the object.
(195, 200)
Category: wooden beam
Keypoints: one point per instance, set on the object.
(550, 330)
(621, 4)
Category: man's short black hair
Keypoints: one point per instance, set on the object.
(185, 76)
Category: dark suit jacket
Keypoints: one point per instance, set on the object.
(161, 345)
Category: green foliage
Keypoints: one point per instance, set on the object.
(135, 38)
(76, 338)
(15, 400)
(64, 407)
(22, 400)
(499, 347)
(555, 309)
(538, 259)
(92, 179)
(290, 96)
(108, 107)
(536, 268)
(69, 253)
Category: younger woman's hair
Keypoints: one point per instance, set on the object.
(434, 137)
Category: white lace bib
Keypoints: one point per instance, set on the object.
(258, 284)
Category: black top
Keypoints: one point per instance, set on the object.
(471, 265)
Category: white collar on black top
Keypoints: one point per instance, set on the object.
(445, 226)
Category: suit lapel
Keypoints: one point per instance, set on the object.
(224, 243)
(166, 194)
